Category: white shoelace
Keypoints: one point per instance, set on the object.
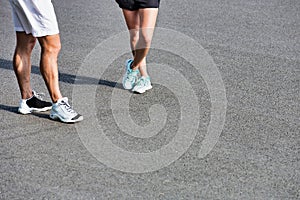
(130, 76)
(141, 82)
(67, 106)
(39, 95)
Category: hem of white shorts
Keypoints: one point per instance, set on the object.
(38, 34)
(19, 29)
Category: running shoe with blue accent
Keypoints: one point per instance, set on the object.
(142, 85)
(130, 77)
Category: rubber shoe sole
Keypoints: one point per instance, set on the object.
(77, 118)
(143, 90)
(31, 110)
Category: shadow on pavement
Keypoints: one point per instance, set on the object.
(66, 78)
(13, 109)
(63, 77)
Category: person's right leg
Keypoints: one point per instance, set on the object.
(22, 63)
(132, 19)
(30, 101)
(50, 46)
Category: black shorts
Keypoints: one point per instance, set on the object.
(137, 4)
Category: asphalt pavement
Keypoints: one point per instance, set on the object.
(226, 127)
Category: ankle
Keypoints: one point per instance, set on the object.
(26, 95)
(55, 98)
(133, 66)
(145, 76)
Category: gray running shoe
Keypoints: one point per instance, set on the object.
(63, 111)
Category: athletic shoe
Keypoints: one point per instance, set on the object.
(34, 104)
(63, 111)
(142, 85)
(130, 76)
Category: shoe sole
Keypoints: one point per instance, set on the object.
(142, 91)
(55, 117)
(31, 110)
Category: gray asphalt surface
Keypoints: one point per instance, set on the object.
(256, 47)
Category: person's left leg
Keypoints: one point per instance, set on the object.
(141, 25)
(61, 109)
(147, 24)
(50, 47)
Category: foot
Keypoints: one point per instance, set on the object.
(130, 77)
(34, 104)
(142, 85)
(63, 111)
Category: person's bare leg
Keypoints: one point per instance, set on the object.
(22, 63)
(147, 23)
(132, 19)
(50, 46)
(133, 23)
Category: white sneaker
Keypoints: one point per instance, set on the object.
(142, 85)
(63, 111)
(34, 104)
(130, 76)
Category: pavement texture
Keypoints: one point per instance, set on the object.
(255, 46)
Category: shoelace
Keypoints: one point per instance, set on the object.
(130, 76)
(67, 106)
(39, 95)
(141, 82)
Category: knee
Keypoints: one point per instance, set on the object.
(134, 36)
(26, 48)
(52, 48)
(31, 44)
(146, 38)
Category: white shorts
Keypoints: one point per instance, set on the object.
(34, 16)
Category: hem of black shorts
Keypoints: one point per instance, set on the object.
(138, 8)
